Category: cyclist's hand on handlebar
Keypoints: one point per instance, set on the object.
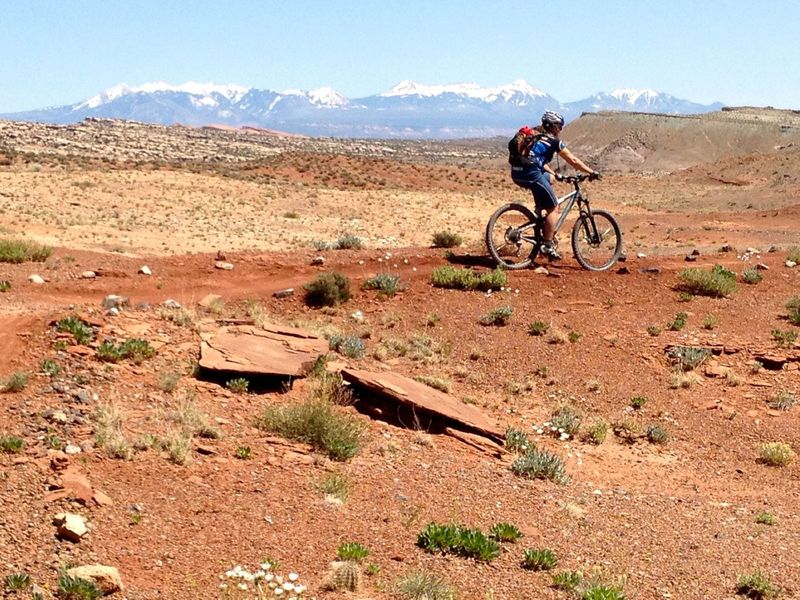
(559, 177)
(594, 175)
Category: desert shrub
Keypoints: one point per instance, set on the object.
(317, 423)
(446, 239)
(783, 339)
(783, 400)
(602, 591)
(5, 285)
(505, 532)
(638, 402)
(437, 383)
(687, 358)
(567, 580)
(81, 332)
(540, 464)
(11, 444)
(497, 316)
(348, 241)
(75, 588)
(17, 251)
(455, 539)
(387, 285)
(565, 419)
(243, 452)
(448, 276)
(347, 345)
(775, 454)
(49, 367)
(16, 382)
(756, 585)
(138, 350)
(710, 322)
(424, 586)
(793, 254)
(751, 276)
(678, 323)
(765, 518)
(517, 440)
(328, 289)
(168, 381)
(717, 282)
(794, 310)
(596, 433)
(335, 485)
(538, 328)
(352, 551)
(653, 330)
(657, 434)
(17, 582)
(542, 559)
(238, 385)
(108, 351)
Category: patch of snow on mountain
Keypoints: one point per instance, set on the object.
(470, 90)
(327, 96)
(233, 92)
(632, 96)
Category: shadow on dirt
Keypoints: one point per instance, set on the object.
(246, 382)
(470, 260)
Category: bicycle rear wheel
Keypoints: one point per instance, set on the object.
(512, 236)
(596, 240)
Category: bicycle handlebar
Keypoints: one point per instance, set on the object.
(578, 177)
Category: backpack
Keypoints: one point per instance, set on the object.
(519, 147)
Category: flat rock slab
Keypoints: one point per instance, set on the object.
(269, 350)
(424, 398)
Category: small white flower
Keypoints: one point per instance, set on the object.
(278, 591)
(300, 589)
(266, 566)
(269, 577)
(293, 576)
(288, 585)
(242, 586)
(223, 586)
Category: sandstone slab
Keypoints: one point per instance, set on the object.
(425, 399)
(268, 350)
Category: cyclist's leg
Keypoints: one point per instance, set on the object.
(546, 202)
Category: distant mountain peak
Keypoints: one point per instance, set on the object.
(469, 90)
(231, 92)
(632, 95)
(327, 96)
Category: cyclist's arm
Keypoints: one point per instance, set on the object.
(574, 161)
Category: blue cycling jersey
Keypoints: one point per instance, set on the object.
(544, 149)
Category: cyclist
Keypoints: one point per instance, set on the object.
(537, 176)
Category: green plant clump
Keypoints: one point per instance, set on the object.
(17, 582)
(497, 317)
(539, 560)
(567, 580)
(751, 276)
(455, 539)
(386, 284)
(352, 551)
(679, 322)
(765, 518)
(756, 585)
(11, 444)
(657, 435)
(81, 332)
(347, 345)
(540, 464)
(716, 283)
(538, 328)
(16, 382)
(446, 239)
(448, 276)
(794, 310)
(328, 289)
(517, 440)
(5, 285)
(348, 241)
(424, 586)
(17, 251)
(75, 588)
(687, 358)
(238, 385)
(505, 532)
(317, 423)
(776, 454)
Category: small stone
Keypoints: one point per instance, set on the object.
(225, 266)
(762, 267)
(114, 301)
(113, 311)
(690, 257)
(624, 270)
(107, 579)
(284, 293)
(652, 270)
(641, 255)
(145, 270)
(541, 271)
(36, 279)
(72, 449)
(791, 264)
(71, 527)
(695, 252)
(88, 275)
(318, 260)
(210, 300)
(357, 316)
(726, 248)
(170, 303)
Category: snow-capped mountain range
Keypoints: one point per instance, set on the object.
(408, 110)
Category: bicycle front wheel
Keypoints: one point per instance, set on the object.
(512, 236)
(596, 240)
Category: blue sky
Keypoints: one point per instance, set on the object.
(738, 52)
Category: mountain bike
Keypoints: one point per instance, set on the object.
(514, 232)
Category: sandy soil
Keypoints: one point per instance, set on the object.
(676, 520)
